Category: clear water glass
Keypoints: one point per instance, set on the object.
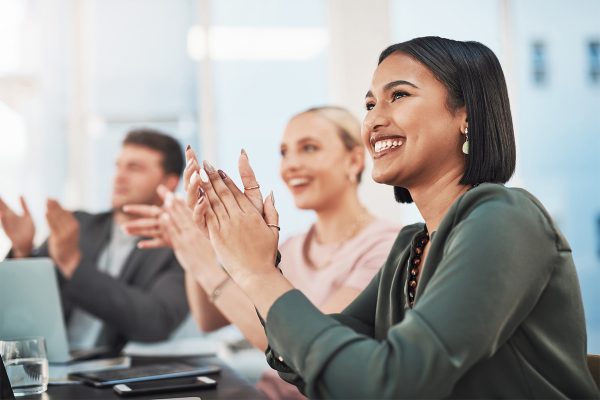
(26, 364)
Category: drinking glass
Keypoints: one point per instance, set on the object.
(26, 364)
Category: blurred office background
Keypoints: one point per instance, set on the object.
(75, 75)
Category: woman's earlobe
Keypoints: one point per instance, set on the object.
(352, 177)
(359, 161)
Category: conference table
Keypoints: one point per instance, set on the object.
(230, 385)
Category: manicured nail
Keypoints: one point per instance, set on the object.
(200, 194)
(194, 177)
(203, 176)
(272, 198)
(243, 152)
(209, 168)
(187, 164)
(222, 174)
(169, 199)
(188, 147)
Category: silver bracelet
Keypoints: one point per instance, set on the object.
(219, 289)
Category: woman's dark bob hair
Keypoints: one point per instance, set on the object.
(473, 77)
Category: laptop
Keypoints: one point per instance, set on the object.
(5, 388)
(31, 305)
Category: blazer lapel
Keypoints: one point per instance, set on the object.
(135, 258)
(92, 242)
(146, 260)
(93, 238)
(139, 265)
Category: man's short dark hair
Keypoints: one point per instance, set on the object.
(473, 78)
(172, 160)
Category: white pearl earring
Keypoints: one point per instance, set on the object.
(465, 146)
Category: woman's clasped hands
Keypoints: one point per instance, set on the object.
(244, 240)
(216, 220)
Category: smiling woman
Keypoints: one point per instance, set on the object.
(444, 94)
(481, 301)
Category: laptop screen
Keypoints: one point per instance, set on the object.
(5, 388)
(29, 286)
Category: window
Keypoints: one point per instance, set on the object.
(594, 61)
(539, 63)
(11, 19)
(598, 236)
(13, 132)
(269, 61)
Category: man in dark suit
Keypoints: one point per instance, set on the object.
(112, 292)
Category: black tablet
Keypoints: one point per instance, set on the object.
(144, 373)
(165, 386)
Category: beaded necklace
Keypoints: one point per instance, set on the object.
(414, 265)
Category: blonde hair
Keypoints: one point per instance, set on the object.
(347, 124)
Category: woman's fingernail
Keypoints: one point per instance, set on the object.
(222, 174)
(188, 147)
(200, 193)
(244, 153)
(200, 200)
(272, 198)
(209, 168)
(187, 164)
(169, 199)
(194, 177)
(203, 176)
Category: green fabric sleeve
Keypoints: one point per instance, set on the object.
(359, 315)
(498, 255)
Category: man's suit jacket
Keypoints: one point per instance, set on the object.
(145, 303)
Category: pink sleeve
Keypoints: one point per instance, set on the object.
(369, 262)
